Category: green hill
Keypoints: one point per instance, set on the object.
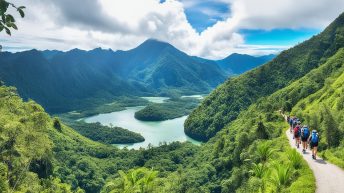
(238, 93)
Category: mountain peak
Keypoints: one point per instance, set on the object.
(154, 44)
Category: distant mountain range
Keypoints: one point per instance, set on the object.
(64, 81)
(240, 63)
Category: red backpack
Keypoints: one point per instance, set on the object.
(297, 130)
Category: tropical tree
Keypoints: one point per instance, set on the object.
(264, 152)
(7, 21)
(281, 176)
(258, 170)
(134, 181)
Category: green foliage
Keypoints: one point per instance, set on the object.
(281, 176)
(7, 21)
(171, 109)
(225, 103)
(259, 170)
(35, 156)
(261, 131)
(118, 104)
(264, 152)
(139, 180)
(57, 124)
(332, 132)
(25, 147)
(295, 158)
(3, 178)
(105, 134)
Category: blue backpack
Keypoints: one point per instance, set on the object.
(305, 132)
(315, 138)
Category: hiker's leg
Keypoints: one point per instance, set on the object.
(315, 151)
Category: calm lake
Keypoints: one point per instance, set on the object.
(154, 132)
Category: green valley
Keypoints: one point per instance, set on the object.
(104, 121)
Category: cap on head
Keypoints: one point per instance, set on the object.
(314, 131)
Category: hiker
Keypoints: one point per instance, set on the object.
(313, 141)
(297, 134)
(304, 137)
(291, 121)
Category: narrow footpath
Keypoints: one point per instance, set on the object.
(329, 177)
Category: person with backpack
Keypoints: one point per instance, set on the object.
(290, 122)
(314, 141)
(304, 137)
(297, 134)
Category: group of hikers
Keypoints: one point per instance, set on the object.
(302, 134)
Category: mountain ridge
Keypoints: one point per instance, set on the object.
(236, 94)
(78, 79)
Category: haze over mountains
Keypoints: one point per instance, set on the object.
(64, 81)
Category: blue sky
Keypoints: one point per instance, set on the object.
(211, 29)
(206, 13)
(283, 37)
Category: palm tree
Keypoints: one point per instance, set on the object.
(281, 176)
(147, 180)
(264, 152)
(135, 181)
(258, 170)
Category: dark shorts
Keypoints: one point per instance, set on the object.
(313, 145)
(304, 139)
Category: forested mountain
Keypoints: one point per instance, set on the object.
(236, 94)
(62, 81)
(247, 152)
(78, 79)
(240, 63)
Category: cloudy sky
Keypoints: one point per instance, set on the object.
(208, 28)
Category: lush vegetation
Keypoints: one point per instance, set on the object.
(324, 111)
(81, 80)
(40, 154)
(171, 109)
(25, 147)
(118, 104)
(105, 134)
(238, 93)
(247, 150)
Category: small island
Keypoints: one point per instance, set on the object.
(106, 134)
(170, 109)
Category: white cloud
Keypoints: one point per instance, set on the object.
(123, 24)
